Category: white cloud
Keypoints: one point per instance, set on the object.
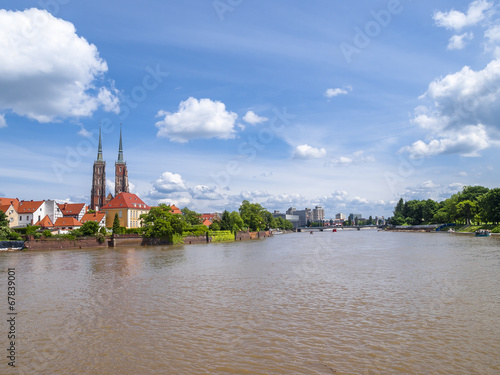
(308, 152)
(84, 133)
(47, 71)
(330, 93)
(458, 41)
(464, 114)
(468, 142)
(169, 183)
(457, 20)
(110, 186)
(3, 123)
(492, 35)
(253, 118)
(202, 118)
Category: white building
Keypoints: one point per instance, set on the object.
(31, 212)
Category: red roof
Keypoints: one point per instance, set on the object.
(13, 201)
(67, 222)
(71, 208)
(126, 200)
(175, 210)
(45, 222)
(5, 208)
(97, 217)
(29, 206)
(207, 223)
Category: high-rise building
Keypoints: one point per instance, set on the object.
(318, 214)
(340, 216)
(121, 174)
(98, 191)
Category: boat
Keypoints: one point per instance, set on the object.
(451, 231)
(311, 232)
(334, 231)
(483, 233)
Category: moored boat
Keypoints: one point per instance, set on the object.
(483, 233)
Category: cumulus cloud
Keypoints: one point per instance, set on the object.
(253, 118)
(464, 113)
(459, 41)
(492, 35)
(468, 142)
(330, 93)
(169, 183)
(457, 20)
(47, 71)
(3, 123)
(308, 152)
(195, 118)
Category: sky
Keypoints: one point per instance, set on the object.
(282, 103)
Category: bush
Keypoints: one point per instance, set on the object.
(101, 237)
(133, 231)
(37, 235)
(14, 236)
(221, 236)
(47, 233)
(103, 231)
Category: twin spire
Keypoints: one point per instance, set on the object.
(120, 148)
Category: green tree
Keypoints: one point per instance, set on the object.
(116, 224)
(490, 206)
(252, 215)
(90, 228)
(191, 217)
(215, 226)
(398, 210)
(472, 193)
(4, 220)
(225, 223)
(237, 222)
(466, 210)
(160, 222)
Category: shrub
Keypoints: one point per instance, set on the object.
(47, 233)
(221, 236)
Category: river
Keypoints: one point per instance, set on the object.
(351, 302)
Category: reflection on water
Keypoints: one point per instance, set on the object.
(346, 303)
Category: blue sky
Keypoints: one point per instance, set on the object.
(284, 103)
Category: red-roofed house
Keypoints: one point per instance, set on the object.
(98, 217)
(31, 212)
(129, 208)
(45, 223)
(13, 201)
(211, 217)
(207, 223)
(11, 213)
(66, 224)
(175, 210)
(76, 210)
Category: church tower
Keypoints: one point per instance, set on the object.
(121, 174)
(98, 192)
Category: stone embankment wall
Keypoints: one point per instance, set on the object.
(57, 243)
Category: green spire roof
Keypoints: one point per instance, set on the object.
(99, 150)
(120, 149)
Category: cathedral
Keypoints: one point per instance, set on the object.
(98, 196)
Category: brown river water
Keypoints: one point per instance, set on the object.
(351, 302)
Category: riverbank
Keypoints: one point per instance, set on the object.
(123, 240)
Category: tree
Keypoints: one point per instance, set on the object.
(160, 222)
(191, 217)
(237, 223)
(252, 215)
(90, 228)
(116, 225)
(215, 226)
(398, 210)
(472, 193)
(466, 210)
(490, 206)
(225, 223)
(4, 221)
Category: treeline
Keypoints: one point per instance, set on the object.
(474, 204)
(160, 222)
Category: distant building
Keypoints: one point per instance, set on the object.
(340, 216)
(11, 213)
(129, 208)
(66, 224)
(294, 219)
(210, 217)
(318, 214)
(355, 217)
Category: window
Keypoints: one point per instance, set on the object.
(120, 168)
(20, 218)
(120, 213)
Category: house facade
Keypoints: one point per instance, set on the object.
(76, 210)
(31, 212)
(11, 213)
(129, 207)
(98, 217)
